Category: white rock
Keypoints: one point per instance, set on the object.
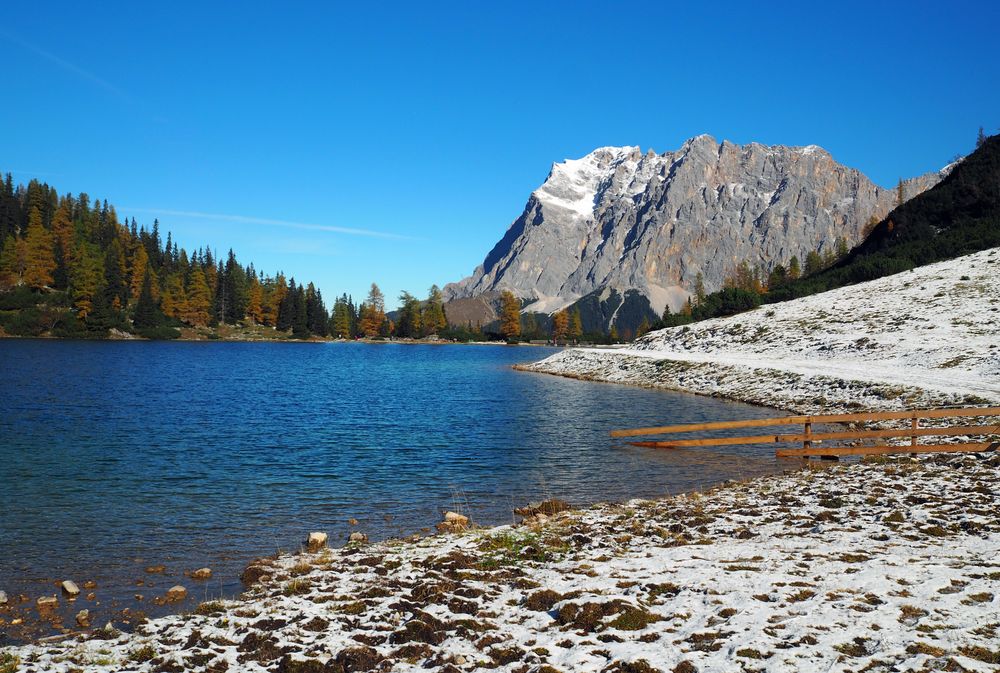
(47, 602)
(359, 538)
(83, 618)
(3, 597)
(316, 540)
(70, 589)
(456, 518)
(176, 593)
(201, 573)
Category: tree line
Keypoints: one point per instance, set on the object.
(70, 267)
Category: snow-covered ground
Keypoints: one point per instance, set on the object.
(884, 566)
(927, 337)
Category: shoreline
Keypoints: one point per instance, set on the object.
(800, 571)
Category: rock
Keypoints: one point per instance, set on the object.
(254, 573)
(316, 541)
(70, 589)
(90, 584)
(201, 573)
(3, 598)
(352, 522)
(156, 570)
(91, 596)
(358, 538)
(626, 227)
(83, 618)
(138, 597)
(546, 507)
(176, 593)
(453, 523)
(47, 602)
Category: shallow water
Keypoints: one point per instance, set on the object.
(119, 455)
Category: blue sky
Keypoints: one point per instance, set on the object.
(396, 144)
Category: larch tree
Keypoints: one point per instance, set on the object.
(373, 312)
(86, 280)
(40, 260)
(199, 299)
(560, 325)
(137, 271)
(173, 301)
(794, 269)
(434, 318)
(510, 315)
(12, 262)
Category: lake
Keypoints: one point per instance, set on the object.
(115, 456)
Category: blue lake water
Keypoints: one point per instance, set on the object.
(119, 455)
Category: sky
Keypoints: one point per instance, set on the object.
(395, 143)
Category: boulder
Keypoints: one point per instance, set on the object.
(47, 602)
(83, 618)
(201, 573)
(176, 593)
(316, 541)
(70, 589)
(453, 523)
(357, 538)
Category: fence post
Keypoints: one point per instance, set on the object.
(913, 425)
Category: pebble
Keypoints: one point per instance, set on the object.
(201, 573)
(176, 593)
(352, 522)
(70, 589)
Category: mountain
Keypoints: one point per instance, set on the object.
(958, 216)
(625, 233)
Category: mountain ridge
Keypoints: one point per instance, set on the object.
(620, 220)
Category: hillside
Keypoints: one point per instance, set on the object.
(958, 216)
(619, 223)
(924, 337)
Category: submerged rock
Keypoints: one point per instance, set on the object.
(83, 618)
(201, 573)
(70, 589)
(47, 602)
(176, 593)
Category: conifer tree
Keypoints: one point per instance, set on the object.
(116, 291)
(373, 313)
(173, 301)
(794, 270)
(613, 334)
(300, 323)
(699, 287)
(255, 300)
(510, 315)
(341, 322)
(147, 313)
(644, 326)
(86, 281)
(981, 138)
(560, 325)
(40, 261)
(434, 319)
(286, 310)
(575, 325)
(137, 271)
(199, 299)
(12, 262)
(899, 193)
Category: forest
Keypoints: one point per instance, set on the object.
(70, 268)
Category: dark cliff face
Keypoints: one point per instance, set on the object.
(621, 220)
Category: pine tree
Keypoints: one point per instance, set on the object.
(899, 193)
(40, 261)
(116, 290)
(814, 263)
(699, 288)
(794, 270)
(286, 310)
(575, 325)
(434, 318)
(300, 322)
(644, 326)
(981, 138)
(613, 334)
(341, 323)
(147, 313)
(510, 315)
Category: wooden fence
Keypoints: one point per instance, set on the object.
(810, 439)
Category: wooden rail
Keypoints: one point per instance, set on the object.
(808, 438)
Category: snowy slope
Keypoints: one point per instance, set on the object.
(930, 336)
